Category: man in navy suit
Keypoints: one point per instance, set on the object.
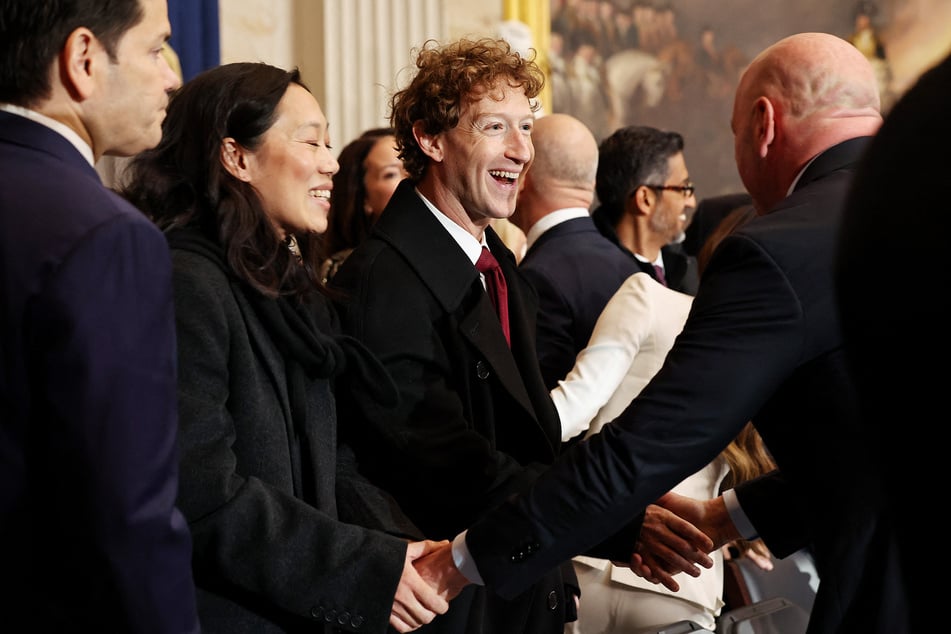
(574, 269)
(90, 539)
(646, 202)
(762, 343)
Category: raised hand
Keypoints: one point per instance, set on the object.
(416, 602)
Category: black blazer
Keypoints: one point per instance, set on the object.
(476, 423)
(762, 342)
(575, 270)
(90, 539)
(893, 243)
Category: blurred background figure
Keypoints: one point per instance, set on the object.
(370, 170)
(867, 39)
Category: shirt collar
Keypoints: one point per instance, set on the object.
(795, 182)
(465, 240)
(551, 220)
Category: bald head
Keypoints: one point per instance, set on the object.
(566, 151)
(797, 98)
(563, 172)
(816, 73)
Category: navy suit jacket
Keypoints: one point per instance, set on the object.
(475, 424)
(575, 270)
(762, 343)
(90, 539)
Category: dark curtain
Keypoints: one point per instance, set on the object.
(195, 34)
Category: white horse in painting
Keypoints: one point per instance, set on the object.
(635, 80)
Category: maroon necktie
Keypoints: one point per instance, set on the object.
(659, 273)
(496, 288)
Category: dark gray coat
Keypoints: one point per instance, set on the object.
(257, 487)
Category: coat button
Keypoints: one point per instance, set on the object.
(343, 618)
(356, 621)
(330, 615)
(482, 370)
(552, 600)
(317, 612)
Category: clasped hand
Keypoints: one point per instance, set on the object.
(430, 580)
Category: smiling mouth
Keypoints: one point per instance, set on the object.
(503, 176)
(321, 194)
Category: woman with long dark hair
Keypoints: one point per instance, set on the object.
(240, 183)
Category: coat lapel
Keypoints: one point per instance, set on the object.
(449, 275)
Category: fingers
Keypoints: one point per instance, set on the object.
(439, 570)
(415, 550)
(758, 554)
(398, 624)
(675, 541)
(688, 537)
(653, 571)
(416, 603)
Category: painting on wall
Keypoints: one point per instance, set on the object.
(674, 64)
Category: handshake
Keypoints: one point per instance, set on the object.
(676, 536)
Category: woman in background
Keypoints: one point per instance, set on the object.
(370, 170)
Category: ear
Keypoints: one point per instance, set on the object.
(641, 203)
(764, 125)
(235, 159)
(430, 144)
(80, 60)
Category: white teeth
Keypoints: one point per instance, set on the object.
(501, 174)
(321, 193)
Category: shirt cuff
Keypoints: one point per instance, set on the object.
(463, 560)
(739, 518)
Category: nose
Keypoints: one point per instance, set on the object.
(519, 146)
(330, 165)
(172, 79)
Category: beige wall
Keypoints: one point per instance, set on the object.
(350, 52)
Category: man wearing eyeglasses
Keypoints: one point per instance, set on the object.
(646, 202)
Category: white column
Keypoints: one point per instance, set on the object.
(355, 53)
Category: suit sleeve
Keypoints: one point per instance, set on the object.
(776, 513)
(110, 376)
(743, 337)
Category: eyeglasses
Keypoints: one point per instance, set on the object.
(687, 190)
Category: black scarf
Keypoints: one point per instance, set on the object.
(298, 330)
